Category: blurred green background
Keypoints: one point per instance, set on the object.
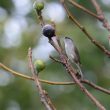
(20, 29)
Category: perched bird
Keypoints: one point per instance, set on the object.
(72, 53)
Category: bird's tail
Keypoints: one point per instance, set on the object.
(80, 71)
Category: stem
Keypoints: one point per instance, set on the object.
(101, 15)
(15, 73)
(100, 46)
(72, 73)
(55, 83)
(42, 23)
(43, 95)
(83, 8)
(96, 86)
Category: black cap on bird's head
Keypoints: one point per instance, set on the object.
(68, 40)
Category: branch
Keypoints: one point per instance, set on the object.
(55, 83)
(54, 59)
(43, 95)
(101, 15)
(71, 17)
(14, 72)
(42, 23)
(41, 19)
(72, 73)
(83, 8)
(96, 86)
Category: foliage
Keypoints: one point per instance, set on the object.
(20, 94)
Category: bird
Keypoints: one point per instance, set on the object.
(73, 54)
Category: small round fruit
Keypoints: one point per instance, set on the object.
(39, 65)
(38, 6)
(48, 30)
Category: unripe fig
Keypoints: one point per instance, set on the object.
(39, 65)
(38, 6)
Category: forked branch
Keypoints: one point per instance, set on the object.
(100, 15)
(83, 29)
(2, 66)
(43, 95)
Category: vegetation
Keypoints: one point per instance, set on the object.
(21, 28)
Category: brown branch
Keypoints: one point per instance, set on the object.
(54, 59)
(83, 8)
(55, 83)
(15, 73)
(39, 13)
(101, 15)
(41, 20)
(96, 86)
(43, 95)
(99, 45)
(98, 10)
(72, 73)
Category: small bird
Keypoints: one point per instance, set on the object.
(72, 53)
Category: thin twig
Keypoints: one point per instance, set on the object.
(96, 86)
(99, 45)
(83, 8)
(14, 72)
(43, 95)
(55, 83)
(101, 14)
(98, 10)
(42, 23)
(54, 59)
